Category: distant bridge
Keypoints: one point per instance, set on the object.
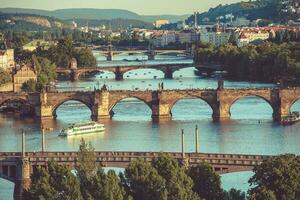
(119, 71)
(150, 53)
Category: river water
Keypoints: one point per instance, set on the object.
(250, 131)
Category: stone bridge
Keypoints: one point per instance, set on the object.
(119, 71)
(17, 167)
(150, 53)
(101, 102)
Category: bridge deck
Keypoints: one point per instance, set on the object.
(193, 158)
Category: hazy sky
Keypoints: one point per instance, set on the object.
(147, 7)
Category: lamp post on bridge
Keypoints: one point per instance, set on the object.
(23, 143)
(182, 144)
(196, 139)
(43, 139)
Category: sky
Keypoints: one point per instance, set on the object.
(144, 7)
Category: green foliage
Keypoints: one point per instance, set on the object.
(178, 183)
(29, 86)
(45, 70)
(54, 183)
(5, 77)
(234, 194)
(263, 62)
(143, 182)
(85, 58)
(207, 184)
(279, 176)
(255, 9)
(261, 193)
(94, 183)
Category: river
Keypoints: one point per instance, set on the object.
(131, 128)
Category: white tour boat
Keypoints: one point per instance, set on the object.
(82, 128)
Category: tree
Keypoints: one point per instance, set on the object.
(45, 69)
(56, 182)
(94, 183)
(107, 186)
(5, 77)
(279, 175)
(29, 86)
(85, 58)
(207, 184)
(86, 168)
(262, 193)
(179, 185)
(234, 194)
(64, 182)
(143, 182)
(40, 187)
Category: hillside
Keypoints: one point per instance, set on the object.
(94, 14)
(114, 24)
(270, 10)
(29, 22)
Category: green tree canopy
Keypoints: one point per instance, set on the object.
(179, 185)
(279, 175)
(207, 184)
(5, 77)
(144, 182)
(54, 183)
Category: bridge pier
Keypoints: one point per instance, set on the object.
(100, 110)
(74, 76)
(151, 55)
(109, 56)
(168, 75)
(160, 109)
(44, 110)
(22, 182)
(119, 76)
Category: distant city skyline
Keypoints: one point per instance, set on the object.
(143, 7)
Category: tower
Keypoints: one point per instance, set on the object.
(195, 20)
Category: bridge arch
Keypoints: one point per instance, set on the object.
(133, 97)
(295, 105)
(24, 106)
(206, 102)
(147, 70)
(243, 97)
(57, 105)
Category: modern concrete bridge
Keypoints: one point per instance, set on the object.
(101, 102)
(17, 167)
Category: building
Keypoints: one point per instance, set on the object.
(215, 36)
(161, 39)
(160, 22)
(188, 36)
(24, 74)
(248, 35)
(7, 59)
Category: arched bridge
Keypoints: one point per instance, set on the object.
(150, 53)
(119, 71)
(101, 102)
(17, 167)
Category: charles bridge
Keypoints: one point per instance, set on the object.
(119, 71)
(101, 102)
